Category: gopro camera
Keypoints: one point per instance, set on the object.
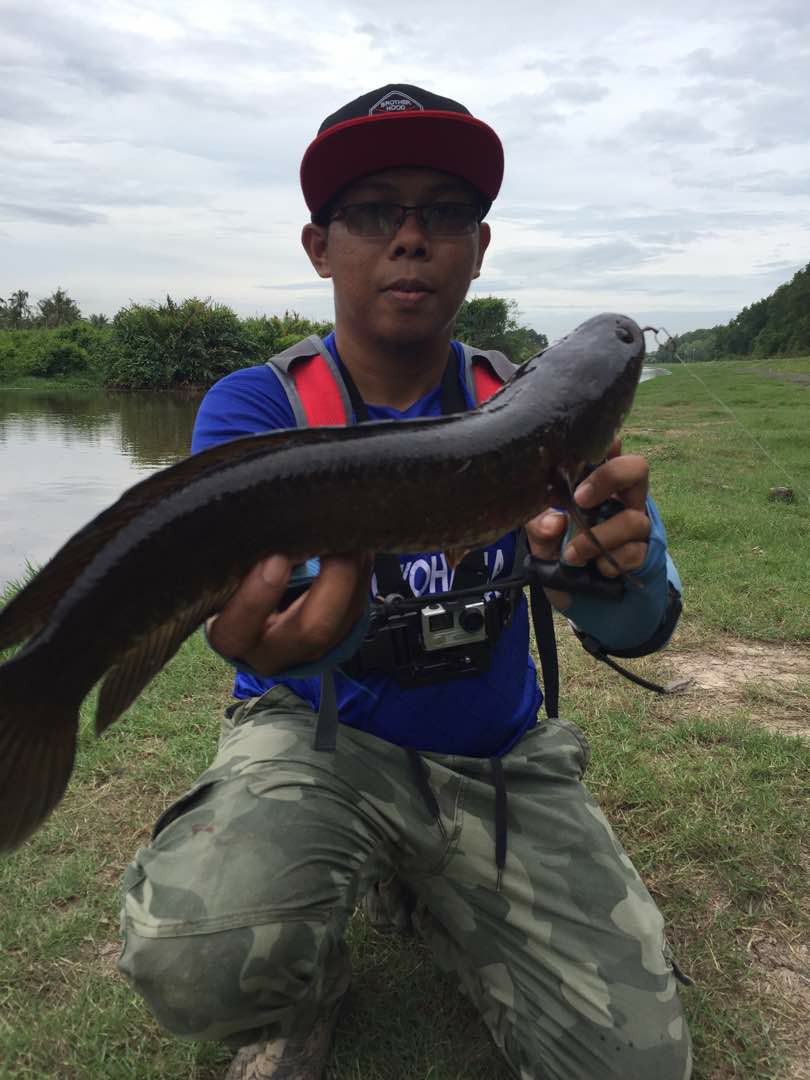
(453, 623)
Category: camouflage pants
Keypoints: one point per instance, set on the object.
(234, 915)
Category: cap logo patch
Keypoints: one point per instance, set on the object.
(395, 101)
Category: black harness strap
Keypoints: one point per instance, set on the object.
(546, 641)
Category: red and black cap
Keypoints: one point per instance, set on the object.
(400, 125)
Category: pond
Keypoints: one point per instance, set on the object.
(66, 455)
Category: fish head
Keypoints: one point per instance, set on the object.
(589, 381)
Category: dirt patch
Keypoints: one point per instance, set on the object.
(770, 679)
(787, 376)
(782, 970)
(677, 433)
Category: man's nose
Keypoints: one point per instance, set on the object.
(411, 236)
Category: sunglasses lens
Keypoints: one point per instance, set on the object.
(385, 219)
(450, 219)
(372, 219)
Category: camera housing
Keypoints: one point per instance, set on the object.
(453, 622)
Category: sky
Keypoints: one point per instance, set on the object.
(657, 155)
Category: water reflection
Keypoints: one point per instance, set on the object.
(65, 455)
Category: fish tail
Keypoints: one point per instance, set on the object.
(37, 748)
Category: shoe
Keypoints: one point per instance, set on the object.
(288, 1059)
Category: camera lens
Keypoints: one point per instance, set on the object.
(471, 619)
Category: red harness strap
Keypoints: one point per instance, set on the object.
(318, 392)
(322, 402)
(486, 381)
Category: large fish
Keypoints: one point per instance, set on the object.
(121, 596)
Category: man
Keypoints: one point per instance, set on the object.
(234, 915)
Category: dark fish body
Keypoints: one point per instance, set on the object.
(121, 596)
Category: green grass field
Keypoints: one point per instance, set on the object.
(708, 791)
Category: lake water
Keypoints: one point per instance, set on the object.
(66, 455)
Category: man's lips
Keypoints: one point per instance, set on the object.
(408, 290)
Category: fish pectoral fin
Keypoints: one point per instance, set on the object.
(139, 665)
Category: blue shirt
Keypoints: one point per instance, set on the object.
(482, 715)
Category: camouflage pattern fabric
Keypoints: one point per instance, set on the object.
(234, 915)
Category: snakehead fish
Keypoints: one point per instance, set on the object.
(120, 597)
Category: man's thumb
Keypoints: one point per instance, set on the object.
(545, 533)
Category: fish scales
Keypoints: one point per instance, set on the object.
(145, 573)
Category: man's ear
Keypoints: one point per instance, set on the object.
(484, 237)
(314, 239)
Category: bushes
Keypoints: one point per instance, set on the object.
(188, 344)
(272, 334)
(195, 342)
(75, 350)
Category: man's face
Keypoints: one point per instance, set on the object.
(406, 288)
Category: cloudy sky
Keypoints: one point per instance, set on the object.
(657, 155)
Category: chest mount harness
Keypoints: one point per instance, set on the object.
(424, 640)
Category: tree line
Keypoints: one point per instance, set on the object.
(778, 325)
(191, 342)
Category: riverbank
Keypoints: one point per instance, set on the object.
(707, 791)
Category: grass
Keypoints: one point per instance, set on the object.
(710, 805)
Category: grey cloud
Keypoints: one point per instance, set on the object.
(71, 51)
(780, 266)
(794, 14)
(75, 216)
(662, 227)
(525, 111)
(739, 63)
(576, 91)
(297, 285)
(573, 65)
(780, 182)
(20, 107)
(761, 57)
(722, 91)
(383, 37)
(667, 127)
(551, 265)
(775, 120)
(772, 181)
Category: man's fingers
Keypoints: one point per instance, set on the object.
(615, 448)
(629, 557)
(628, 527)
(545, 533)
(336, 600)
(627, 476)
(318, 620)
(242, 621)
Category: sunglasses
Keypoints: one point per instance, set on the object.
(384, 219)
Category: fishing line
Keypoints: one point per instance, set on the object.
(662, 329)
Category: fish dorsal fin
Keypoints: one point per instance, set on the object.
(139, 665)
(30, 609)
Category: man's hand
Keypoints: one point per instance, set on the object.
(250, 627)
(626, 478)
